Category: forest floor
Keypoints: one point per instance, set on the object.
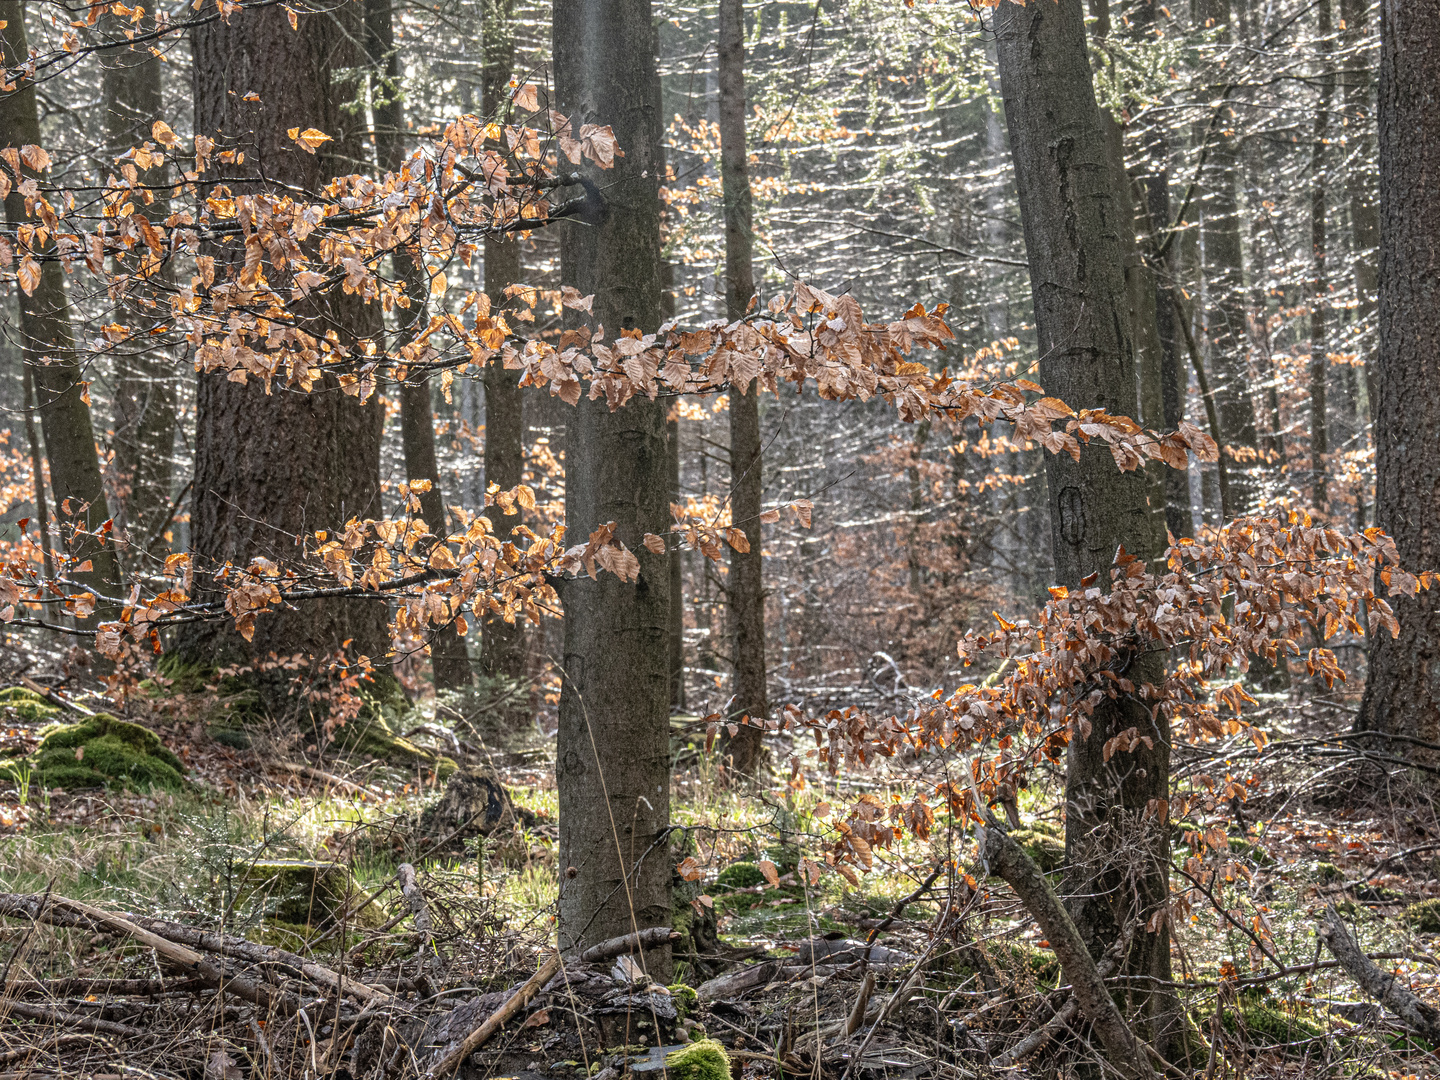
(955, 976)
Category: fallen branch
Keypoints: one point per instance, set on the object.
(313, 773)
(68, 1019)
(476, 1038)
(651, 938)
(54, 697)
(1384, 987)
(60, 911)
(1007, 860)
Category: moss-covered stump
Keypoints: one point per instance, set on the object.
(740, 875)
(1424, 916)
(474, 803)
(26, 705)
(102, 751)
(302, 893)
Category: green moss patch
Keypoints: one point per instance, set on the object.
(1047, 851)
(1266, 1024)
(27, 705)
(1424, 916)
(740, 875)
(299, 893)
(703, 1060)
(104, 752)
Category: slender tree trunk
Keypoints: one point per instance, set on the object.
(37, 469)
(448, 659)
(51, 357)
(745, 588)
(1319, 286)
(1360, 179)
(272, 468)
(613, 767)
(145, 378)
(502, 644)
(1073, 229)
(1225, 295)
(676, 644)
(1402, 691)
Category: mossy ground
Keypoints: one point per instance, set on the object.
(703, 1060)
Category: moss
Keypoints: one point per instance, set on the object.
(1424, 916)
(1248, 849)
(740, 875)
(1265, 1024)
(102, 751)
(302, 893)
(1328, 874)
(1047, 852)
(27, 705)
(684, 998)
(703, 1060)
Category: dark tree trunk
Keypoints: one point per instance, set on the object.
(676, 649)
(50, 355)
(145, 378)
(745, 588)
(448, 658)
(613, 767)
(1073, 227)
(269, 469)
(502, 644)
(1402, 692)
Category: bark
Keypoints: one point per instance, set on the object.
(448, 659)
(1225, 283)
(1402, 690)
(143, 409)
(271, 469)
(51, 357)
(1073, 228)
(502, 645)
(745, 588)
(37, 472)
(1319, 287)
(613, 768)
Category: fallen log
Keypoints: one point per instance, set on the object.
(651, 938)
(1381, 985)
(69, 1019)
(472, 1042)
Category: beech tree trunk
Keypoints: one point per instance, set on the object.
(269, 469)
(502, 644)
(51, 357)
(1360, 182)
(1225, 308)
(1319, 285)
(745, 588)
(143, 411)
(613, 767)
(1402, 690)
(1073, 228)
(448, 659)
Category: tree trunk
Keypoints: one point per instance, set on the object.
(676, 644)
(1319, 286)
(448, 659)
(1360, 181)
(50, 355)
(502, 644)
(271, 469)
(1073, 226)
(145, 378)
(745, 589)
(613, 767)
(1225, 296)
(1402, 691)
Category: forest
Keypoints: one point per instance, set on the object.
(771, 540)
